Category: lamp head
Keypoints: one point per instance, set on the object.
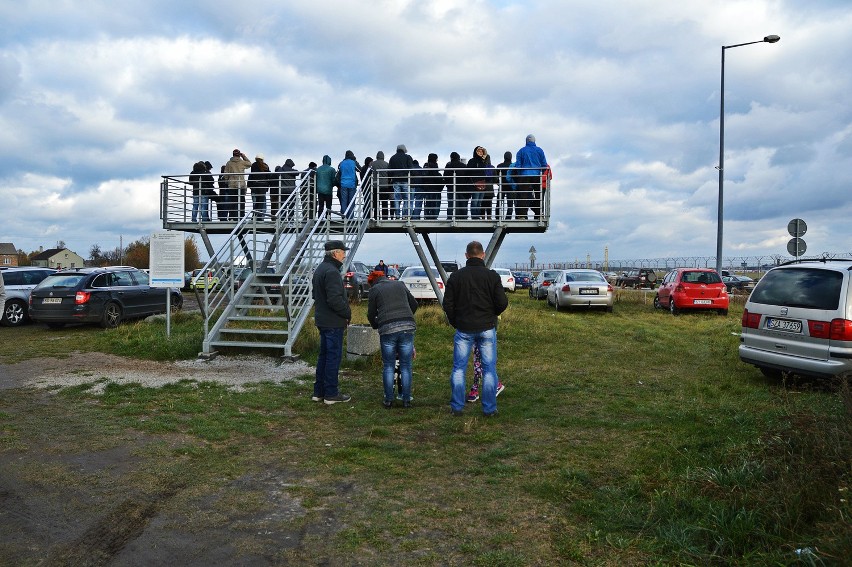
(772, 38)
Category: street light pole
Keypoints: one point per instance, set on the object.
(721, 166)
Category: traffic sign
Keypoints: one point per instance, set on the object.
(797, 228)
(796, 247)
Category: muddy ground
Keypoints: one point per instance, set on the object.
(73, 496)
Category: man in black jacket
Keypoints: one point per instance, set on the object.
(472, 301)
(331, 316)
(400, 165)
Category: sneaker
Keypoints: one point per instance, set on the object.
(473, 395)
(492, 414)
(500, 388)
(316, 398)
(387, 403)
(399, 397)
(456, 412)
(338, 398)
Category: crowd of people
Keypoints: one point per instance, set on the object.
(399, 188)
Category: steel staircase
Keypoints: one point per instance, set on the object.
(258, 290)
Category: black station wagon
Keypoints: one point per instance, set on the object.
(98, 295)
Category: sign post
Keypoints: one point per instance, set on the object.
(166, 263)
(796, 246)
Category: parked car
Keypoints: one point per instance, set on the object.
(580, 288)
(507, 278)
(98, 295)
(449, 266)
(198, 281)
(798, 319)
(638, 278)
(417, 282)
(739, 283)
(692, 288)
(540, 283)
(19, 283)
(522, 280)
(355, 281)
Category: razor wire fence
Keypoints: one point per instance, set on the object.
(739, 264)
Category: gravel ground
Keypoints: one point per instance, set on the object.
(83, 368)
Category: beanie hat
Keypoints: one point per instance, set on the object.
(401, 148)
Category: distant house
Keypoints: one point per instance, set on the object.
(8, 255)
(58, 258)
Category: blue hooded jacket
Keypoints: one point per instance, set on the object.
(529, 157)
(349, 170)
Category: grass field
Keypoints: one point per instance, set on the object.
(629, 438)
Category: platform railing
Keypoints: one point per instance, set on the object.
(454, 198)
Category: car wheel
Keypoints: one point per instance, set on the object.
(55, 326)
(657, 301)
(177, 302)
(723, 312)
(112, 315)
(609, 308)
(15, 313)
(672, 307)
(556, 302)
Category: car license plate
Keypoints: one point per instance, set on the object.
(785, 325)
(418, 286)
(52, 300)
(702, 302)
(588, 291)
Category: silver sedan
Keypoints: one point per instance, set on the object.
(580, 288)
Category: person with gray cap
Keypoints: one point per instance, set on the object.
(331, 316)
(400, 165)
(531, 163)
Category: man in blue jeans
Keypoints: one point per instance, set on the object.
(391, 310)
(473, 299)
(331, 316)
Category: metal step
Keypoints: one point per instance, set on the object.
(257, 318)
(237, 331)
(246, 344)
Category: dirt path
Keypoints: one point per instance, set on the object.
(74, 494)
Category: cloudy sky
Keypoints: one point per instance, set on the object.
(99, 98)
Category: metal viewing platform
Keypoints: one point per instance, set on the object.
(276, 235)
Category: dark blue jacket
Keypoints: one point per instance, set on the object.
(331, 307)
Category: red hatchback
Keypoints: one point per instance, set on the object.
(692, 288)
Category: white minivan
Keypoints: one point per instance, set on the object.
(798, 319)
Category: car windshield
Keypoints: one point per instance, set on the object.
(799, 287)
(700, 277)
(61, 280)
(589, 276)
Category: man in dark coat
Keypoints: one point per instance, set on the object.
(331, 316)
(473, 299)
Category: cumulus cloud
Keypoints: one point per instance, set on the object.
(97, 104)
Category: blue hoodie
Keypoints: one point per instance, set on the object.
(530, 156)
(349, 170)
